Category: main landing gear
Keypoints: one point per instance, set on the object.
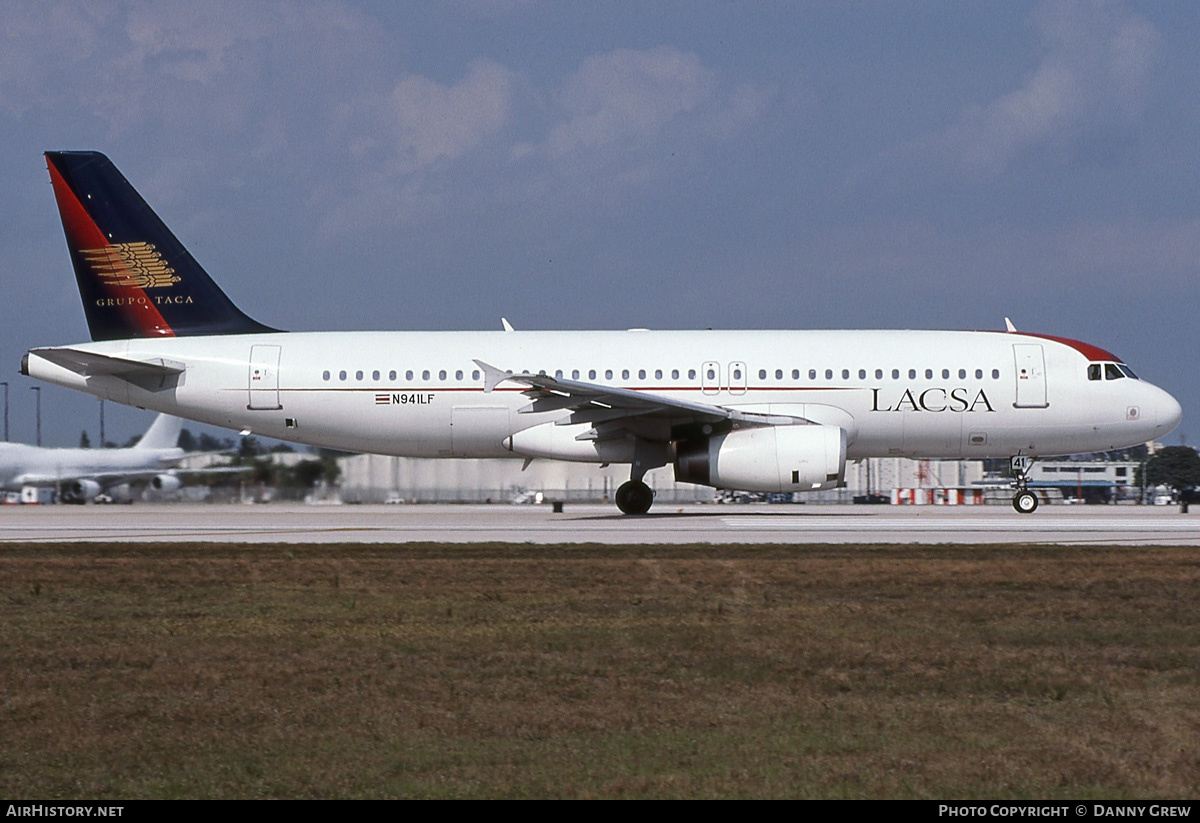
(634, 497)
(1024, 501)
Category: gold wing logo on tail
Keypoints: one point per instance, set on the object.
(131, 264)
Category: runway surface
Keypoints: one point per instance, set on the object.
(721, 524)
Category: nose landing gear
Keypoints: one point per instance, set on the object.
(1024, 501)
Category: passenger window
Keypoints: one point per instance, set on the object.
(862, 374)
(945, 374)
(737, 374)
(358, 375)
(995, 374)
(475, 374)
(712, 375)
(458, 375)
(962, 374)
(658, 374)
(325, 375)
(1093, 371)
(341, 375)
(845, 374)
(1111, 372)
(408, 375)
(574, 374)
(879, 374)
(591, 374)
(829, 374)
(691, 374)
(912, 374)
(442, 374)
(795, 374)
(779, 374)
(624, 374)
(641, 374)
(812, 374)
(674, 374)
(929, 374)
(558, 374)
(979, 374)
(608, 374)
(425, 374)
(762, 374)
(375, 374)
(895, 374)
(392, 374)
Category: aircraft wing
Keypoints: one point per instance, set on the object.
(593, 403)
(151, 375)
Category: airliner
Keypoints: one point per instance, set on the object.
(83, 474)
(769, 411)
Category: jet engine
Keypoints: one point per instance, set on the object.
(166, 483)
(766, 459)
(80, 491)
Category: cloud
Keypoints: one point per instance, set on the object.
(432, 121)
(373, 129)
(627, 95)
(1095, 72)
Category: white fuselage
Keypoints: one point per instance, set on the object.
(421, 394)
(24, 465)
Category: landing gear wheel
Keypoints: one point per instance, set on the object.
(1025, 502)
(634, 497)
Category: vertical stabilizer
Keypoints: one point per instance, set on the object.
(162, 434)
(135, 278)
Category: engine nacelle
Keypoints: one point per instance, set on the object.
(166, 483)
(81, 491)
(766, 459)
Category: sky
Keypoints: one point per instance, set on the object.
(391, 165)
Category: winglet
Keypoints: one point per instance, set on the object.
(492, 376)
(1008, 325)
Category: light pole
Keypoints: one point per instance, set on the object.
(4, 383)
(38, 389)
(101, 422)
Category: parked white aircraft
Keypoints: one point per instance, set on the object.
(775, 411)
(82, 474)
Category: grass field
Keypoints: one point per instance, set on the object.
(517, 671)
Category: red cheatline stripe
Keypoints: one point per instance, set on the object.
(137, 309)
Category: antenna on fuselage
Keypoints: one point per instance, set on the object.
(1008, 325)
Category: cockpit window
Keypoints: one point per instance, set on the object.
(1111, 372)
(1094, 371)
(1128, 371)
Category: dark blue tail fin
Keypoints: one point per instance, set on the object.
(135, 278)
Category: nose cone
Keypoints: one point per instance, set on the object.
(1167, 413)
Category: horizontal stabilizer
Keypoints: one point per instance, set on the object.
(152, 375)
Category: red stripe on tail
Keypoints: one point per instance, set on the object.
(82, 233)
